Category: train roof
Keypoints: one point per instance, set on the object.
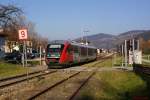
(72, 43)
(57, 42)
(82, 45)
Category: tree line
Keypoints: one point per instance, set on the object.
(12, 19)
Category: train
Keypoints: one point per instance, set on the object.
(69, 53)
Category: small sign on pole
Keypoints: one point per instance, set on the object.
(23, 34)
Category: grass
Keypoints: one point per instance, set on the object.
(114, 61)
(106, 63)
(114, 85)
(90, 64)
(7, 70)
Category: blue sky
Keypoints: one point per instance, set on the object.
(67, 19)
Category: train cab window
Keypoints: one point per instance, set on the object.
(55, 48)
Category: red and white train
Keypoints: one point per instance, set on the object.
(68, 53)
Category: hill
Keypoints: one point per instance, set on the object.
(108, 41)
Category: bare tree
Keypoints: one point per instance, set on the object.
(8, 15)
(12, 19)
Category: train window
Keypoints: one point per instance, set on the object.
(91, 52)
(75, 49)
(83, 51)
(54, 48)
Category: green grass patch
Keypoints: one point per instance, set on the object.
(114, 85)
(105, 63)
(7, 69)
(117, 61)
(90, 64)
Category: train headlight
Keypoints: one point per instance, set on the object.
(48, 55)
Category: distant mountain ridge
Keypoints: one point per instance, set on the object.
(102, 40)
(133, 32)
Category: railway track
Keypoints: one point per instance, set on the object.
(21, 78)
(79, 88)
(51, 87)
(63, 81)
(86, 80)
(18, 76)
(35, 93)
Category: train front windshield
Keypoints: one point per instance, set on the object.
(54, 50)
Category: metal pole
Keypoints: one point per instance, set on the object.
(40, 55)
(122, 54)
(85, 32)
(122, 50)
(133, 48)
(115, 58)
(138, 45)
(125, 49)
(25, 53)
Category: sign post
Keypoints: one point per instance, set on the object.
(23, 36)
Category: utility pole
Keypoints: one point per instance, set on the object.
(40, 55)
(86, 43)
(125, 50)
(85, 32)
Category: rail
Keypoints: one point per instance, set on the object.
(18, 76)
(62, 81)
(78, 89)
(23, 79)
(49, 88)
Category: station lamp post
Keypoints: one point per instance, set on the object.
(86, 43)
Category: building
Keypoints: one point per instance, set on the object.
(17, 46)
(2, 44)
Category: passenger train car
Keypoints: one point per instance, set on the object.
(69, 53)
